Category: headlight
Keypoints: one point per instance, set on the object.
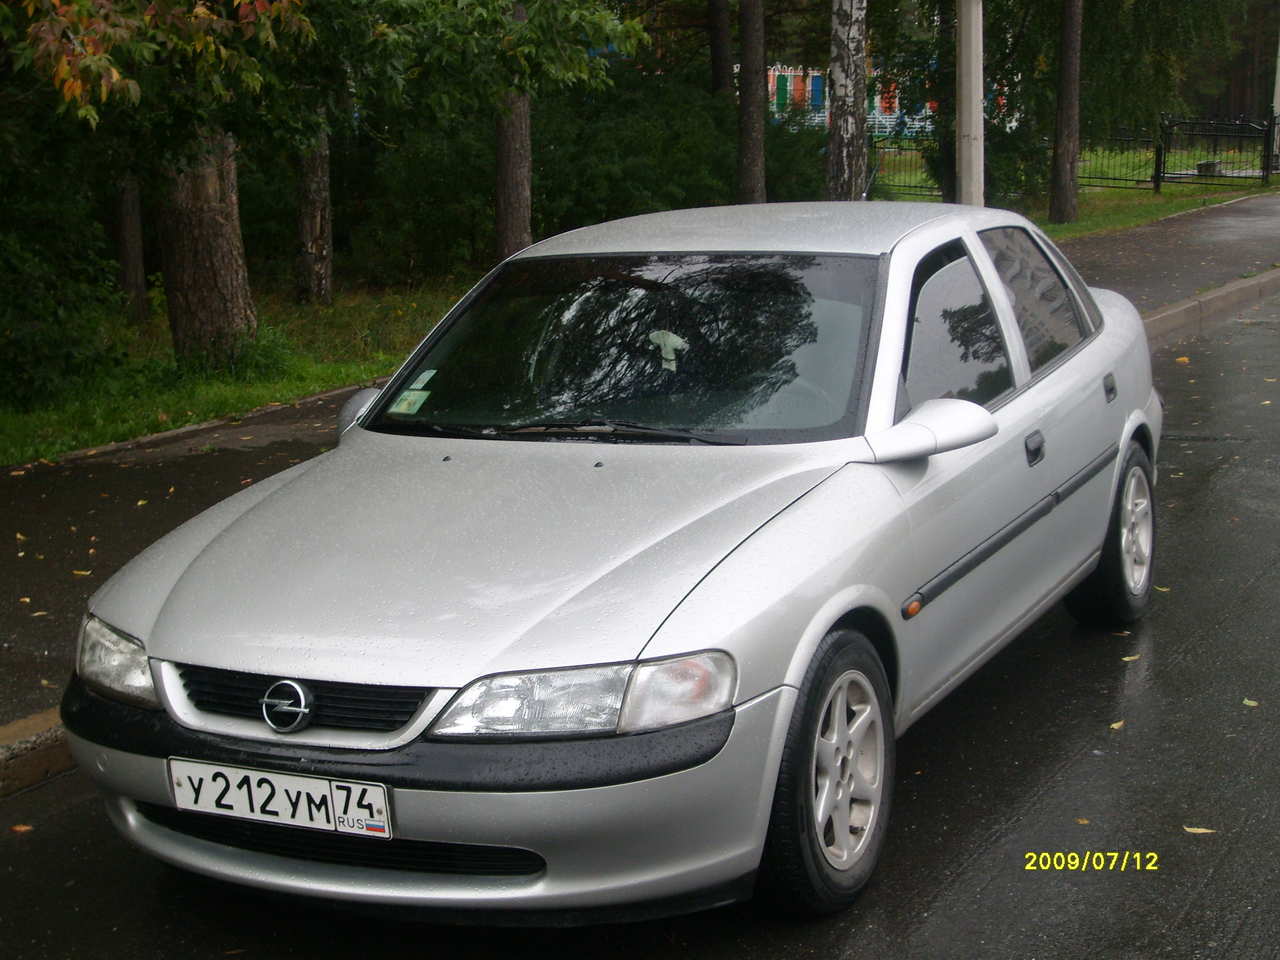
(616, 698)
(114, 665)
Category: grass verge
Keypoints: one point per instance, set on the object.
(1106, 210)
(300, 350)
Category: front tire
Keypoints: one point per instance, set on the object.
(1119, 590)
(835, 782)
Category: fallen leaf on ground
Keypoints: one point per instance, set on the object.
(1164, 589)
(1181, 359)
(1117, 725)
(20, 536)
(22, 828)
(1265, 403)
(41, 613)
(142, 503)
(1082, 820)
(1120, 633)
(1136, 656)
(16, 473)
(1250, 703)
(1198, 829)
(1269, 379)
(171, 490)
(82, 573)
(45, 683)
(24, 599)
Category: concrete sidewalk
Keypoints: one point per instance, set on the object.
(73, 523)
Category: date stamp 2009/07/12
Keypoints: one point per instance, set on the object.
(1118, 860)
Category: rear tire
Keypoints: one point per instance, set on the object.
(835, 782)
(1119, 590)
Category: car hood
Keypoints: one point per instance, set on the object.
(431, 561)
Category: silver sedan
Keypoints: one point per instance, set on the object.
(616, 597)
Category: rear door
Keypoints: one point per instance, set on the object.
(1070, 394)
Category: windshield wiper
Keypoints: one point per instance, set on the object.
(618, 430)
(418, 428)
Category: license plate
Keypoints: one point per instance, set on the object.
(342, 806)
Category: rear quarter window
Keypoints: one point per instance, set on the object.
(1048, 317)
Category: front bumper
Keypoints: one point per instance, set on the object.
(661, 838)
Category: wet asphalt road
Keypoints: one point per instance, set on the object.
(69, 526)
(1023, 758)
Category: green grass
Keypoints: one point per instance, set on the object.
(301, 350)
(1105, 210)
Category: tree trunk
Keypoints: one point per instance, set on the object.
(133, 273)
(942, 164)
(721, 36)
(315, 226)
(1066, 143)
(206, 282)
(753, 84)
(847, 140)
(513, 204)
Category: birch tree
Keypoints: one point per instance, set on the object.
(847, 142)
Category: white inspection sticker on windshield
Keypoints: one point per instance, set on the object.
(410, 401)
(422, 379)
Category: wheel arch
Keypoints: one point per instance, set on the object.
(1142, 436)
(875, 627)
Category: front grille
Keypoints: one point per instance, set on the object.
(347, 706)
(420, 856)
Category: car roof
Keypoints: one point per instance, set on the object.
(871, 227)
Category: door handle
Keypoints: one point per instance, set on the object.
(1035, 448)
(1109, 387)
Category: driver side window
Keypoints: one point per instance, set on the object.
(954, 345)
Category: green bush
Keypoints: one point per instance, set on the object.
(57, 298)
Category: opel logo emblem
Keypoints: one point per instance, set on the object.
(287, 706)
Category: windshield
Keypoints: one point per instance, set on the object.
(656, 348)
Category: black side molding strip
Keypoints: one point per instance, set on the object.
(1094, 467)
(984, 551)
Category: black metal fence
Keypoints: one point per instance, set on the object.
(1127, 160)
(1205, 153)
(897, 169)
(1218, 153)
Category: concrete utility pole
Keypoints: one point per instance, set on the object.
(969, 143)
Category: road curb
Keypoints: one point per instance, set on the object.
(35, 748)
(32, 750)
(1188, 318)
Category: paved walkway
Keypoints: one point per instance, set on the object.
(1182, 256)
(71, 525)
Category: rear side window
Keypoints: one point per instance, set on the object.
(1048, 317)
(955, 348)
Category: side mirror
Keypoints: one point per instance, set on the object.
(356, 404)
(935, 426)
